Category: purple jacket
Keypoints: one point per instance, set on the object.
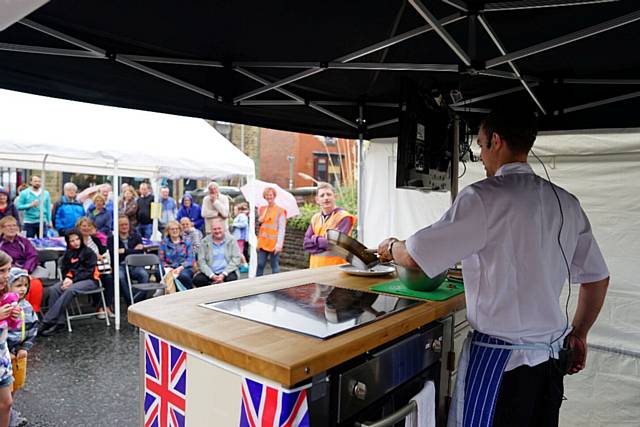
(317, 244)
(22, 252)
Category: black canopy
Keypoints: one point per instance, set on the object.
(321, 67)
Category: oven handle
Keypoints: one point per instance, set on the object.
(400, 414)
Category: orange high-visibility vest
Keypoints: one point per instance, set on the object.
(268, 231)
(320, 227)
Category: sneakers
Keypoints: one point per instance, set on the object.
(48, 329)
(101, 315)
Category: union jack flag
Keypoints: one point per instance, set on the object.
(264, 406)
(165, 383)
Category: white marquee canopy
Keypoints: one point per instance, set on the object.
(38, 132)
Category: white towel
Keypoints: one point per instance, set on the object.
(425, 416)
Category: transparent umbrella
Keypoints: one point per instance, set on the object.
(253, 193)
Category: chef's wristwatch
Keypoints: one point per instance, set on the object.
(390, 247)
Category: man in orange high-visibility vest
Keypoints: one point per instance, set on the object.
(273, 222)
(329, 217)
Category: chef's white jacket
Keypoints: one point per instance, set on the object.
(505, 231)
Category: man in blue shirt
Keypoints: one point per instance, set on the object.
(218, 257)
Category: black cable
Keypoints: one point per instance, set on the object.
(465, 169)
(564, 256)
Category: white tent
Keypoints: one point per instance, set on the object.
(602, 170)
(38, 132)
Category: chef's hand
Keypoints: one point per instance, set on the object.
(578, 344)
(383, 249)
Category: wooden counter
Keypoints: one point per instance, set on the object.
(282, 356)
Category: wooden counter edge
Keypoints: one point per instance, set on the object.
(359, 341)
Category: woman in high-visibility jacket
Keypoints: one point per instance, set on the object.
(273, 222)
(329, 217)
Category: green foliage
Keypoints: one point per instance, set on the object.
(302, 221)
(347, 198)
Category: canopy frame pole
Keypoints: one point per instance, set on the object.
(115, 265)
(536, 4)
(490, 95)
(253, 240)
(440, 30)
(494, 37)
(598, 103)
(455, 158)
(566, 39)
(351, 57)
(383, 123)
(360, 159)
(43, 188)
(98, 52)
(299, 100)
(155, 187)
(458, 4)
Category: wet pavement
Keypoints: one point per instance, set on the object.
(88, 377)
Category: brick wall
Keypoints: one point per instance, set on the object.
(293, 256)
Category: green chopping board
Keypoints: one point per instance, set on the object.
(445, 291)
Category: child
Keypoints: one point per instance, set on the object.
(20, 339)
(6, 372)
(240, 227)
(80, 271)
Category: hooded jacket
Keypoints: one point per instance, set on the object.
(193, 212)
(66, 212)
(79, 264)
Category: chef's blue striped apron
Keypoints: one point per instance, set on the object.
(482, 364)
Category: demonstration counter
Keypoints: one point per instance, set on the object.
(199, 365)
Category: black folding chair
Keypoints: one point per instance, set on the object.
(143, 260)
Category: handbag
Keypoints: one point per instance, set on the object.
(104, 266)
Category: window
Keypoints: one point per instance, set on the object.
(320, 168)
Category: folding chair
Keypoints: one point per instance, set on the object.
(49, 255)
(143, 260)
(82, 315)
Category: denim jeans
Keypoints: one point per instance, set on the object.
(145, 230)
(33, 229)
(262, 262)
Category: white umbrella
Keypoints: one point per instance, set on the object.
(253, 194)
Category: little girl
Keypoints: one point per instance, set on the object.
(6, 372)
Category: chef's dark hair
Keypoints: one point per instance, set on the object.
(518, 128)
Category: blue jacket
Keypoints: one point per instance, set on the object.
(102, 219)
(193, 212)
(65, 213)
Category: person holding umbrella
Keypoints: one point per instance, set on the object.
(273, 222)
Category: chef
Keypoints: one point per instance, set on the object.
(519, 238)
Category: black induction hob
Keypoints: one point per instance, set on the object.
(314, 309)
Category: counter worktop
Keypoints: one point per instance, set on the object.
(282, 356)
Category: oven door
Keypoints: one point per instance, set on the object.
(378, 383)
(393, 408)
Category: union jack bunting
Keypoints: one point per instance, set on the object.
(165, 383)
(264, 406)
